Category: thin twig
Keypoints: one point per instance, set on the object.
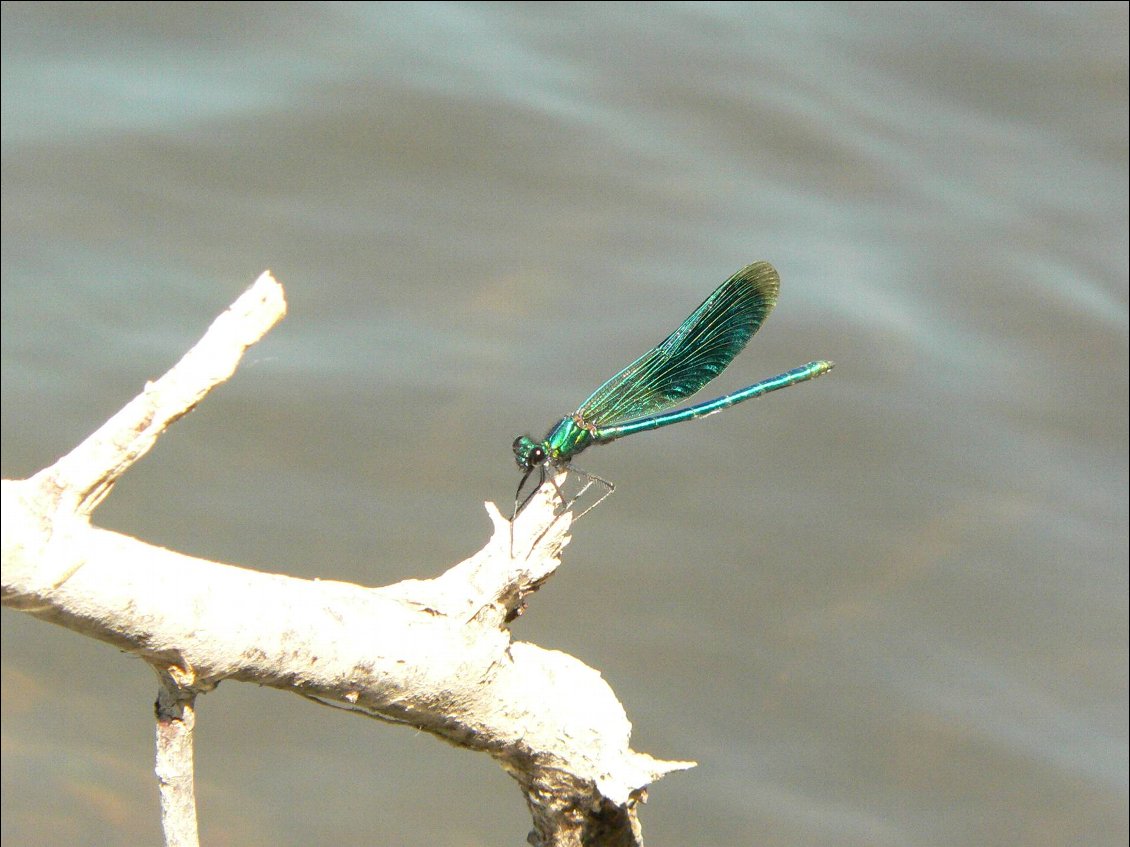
(176, 721)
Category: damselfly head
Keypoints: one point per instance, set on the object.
(528, 453)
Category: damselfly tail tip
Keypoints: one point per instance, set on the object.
(813, 369)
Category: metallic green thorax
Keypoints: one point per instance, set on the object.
(568, 438)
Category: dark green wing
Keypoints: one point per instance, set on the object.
(700, 349)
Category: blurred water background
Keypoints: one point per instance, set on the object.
(885, 609)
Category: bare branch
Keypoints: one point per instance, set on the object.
(436, 654)
(90, 470)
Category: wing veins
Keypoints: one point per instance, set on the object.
(696, 352)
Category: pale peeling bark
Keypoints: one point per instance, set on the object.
(176, 719)
(434, 654)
